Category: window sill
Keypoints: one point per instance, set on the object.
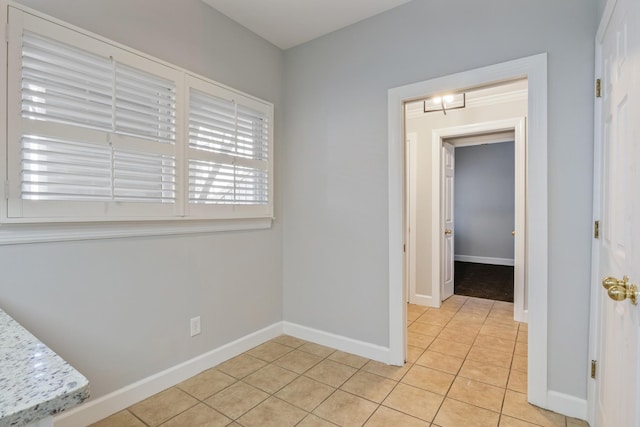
(16, 234)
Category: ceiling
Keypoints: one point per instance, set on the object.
(288, 23)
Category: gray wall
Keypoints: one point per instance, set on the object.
(335, 160)
(119, 310)
(484, 200)
(601, 6)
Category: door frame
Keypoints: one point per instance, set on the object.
(534, 69)
(596, 290)
(411, 166)
(517, 125)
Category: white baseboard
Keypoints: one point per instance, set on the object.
(349, 345)
(521, 315)
(565, 404)
(424, 300)
(95, 410)
(484, 260)
(102, 407)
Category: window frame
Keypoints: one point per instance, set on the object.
(239, 210)
(184, 219)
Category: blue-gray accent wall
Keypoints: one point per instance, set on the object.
(485, 200)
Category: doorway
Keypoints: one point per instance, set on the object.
(535, 70)
(430, 254)
(484, 207)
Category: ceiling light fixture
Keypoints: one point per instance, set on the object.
(445, 102)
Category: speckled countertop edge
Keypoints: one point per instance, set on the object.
(35, 382)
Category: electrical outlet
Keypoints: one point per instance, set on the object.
(195, 326)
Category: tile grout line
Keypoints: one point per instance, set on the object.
(138, 418)
(241, 380)
(504, 397)
(452, 311)
(435, 415)
(486, 317)
(323, 358)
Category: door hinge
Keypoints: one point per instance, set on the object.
(598, 88)
(596, 229)
(404, 248)
(594, 367)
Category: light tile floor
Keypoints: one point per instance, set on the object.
(467, 367)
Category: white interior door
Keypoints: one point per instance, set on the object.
(617, 381)
(448, 170)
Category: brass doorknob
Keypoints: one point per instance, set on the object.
(609, 282)
(620, 290)
(448, 232)
(513, 233)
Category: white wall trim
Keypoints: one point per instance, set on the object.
(485, 260)
(493, 138)
(410, 218)
(16, 234)
(425, 300)
(567, 405)
(95, 410)
(484, 101)
(534, 68)
(339, 342)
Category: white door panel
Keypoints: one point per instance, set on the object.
(448, 168)
(618, 322)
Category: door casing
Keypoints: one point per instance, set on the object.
(517, 125)
(534, 69)
(410, 218)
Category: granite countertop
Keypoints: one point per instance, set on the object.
(35, 382)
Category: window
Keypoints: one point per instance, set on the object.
(97, 132)
(228, 154)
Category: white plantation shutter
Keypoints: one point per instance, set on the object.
(63, 84)
(225, 127)
(229, 150)
(96, 132)
(56, 169)
(253, 134)
(211, 182)
(97, 136)
(212, 123)
(145, 105)
(218, 183)
(143, 177)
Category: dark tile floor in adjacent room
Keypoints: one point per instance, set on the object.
(486, 281)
